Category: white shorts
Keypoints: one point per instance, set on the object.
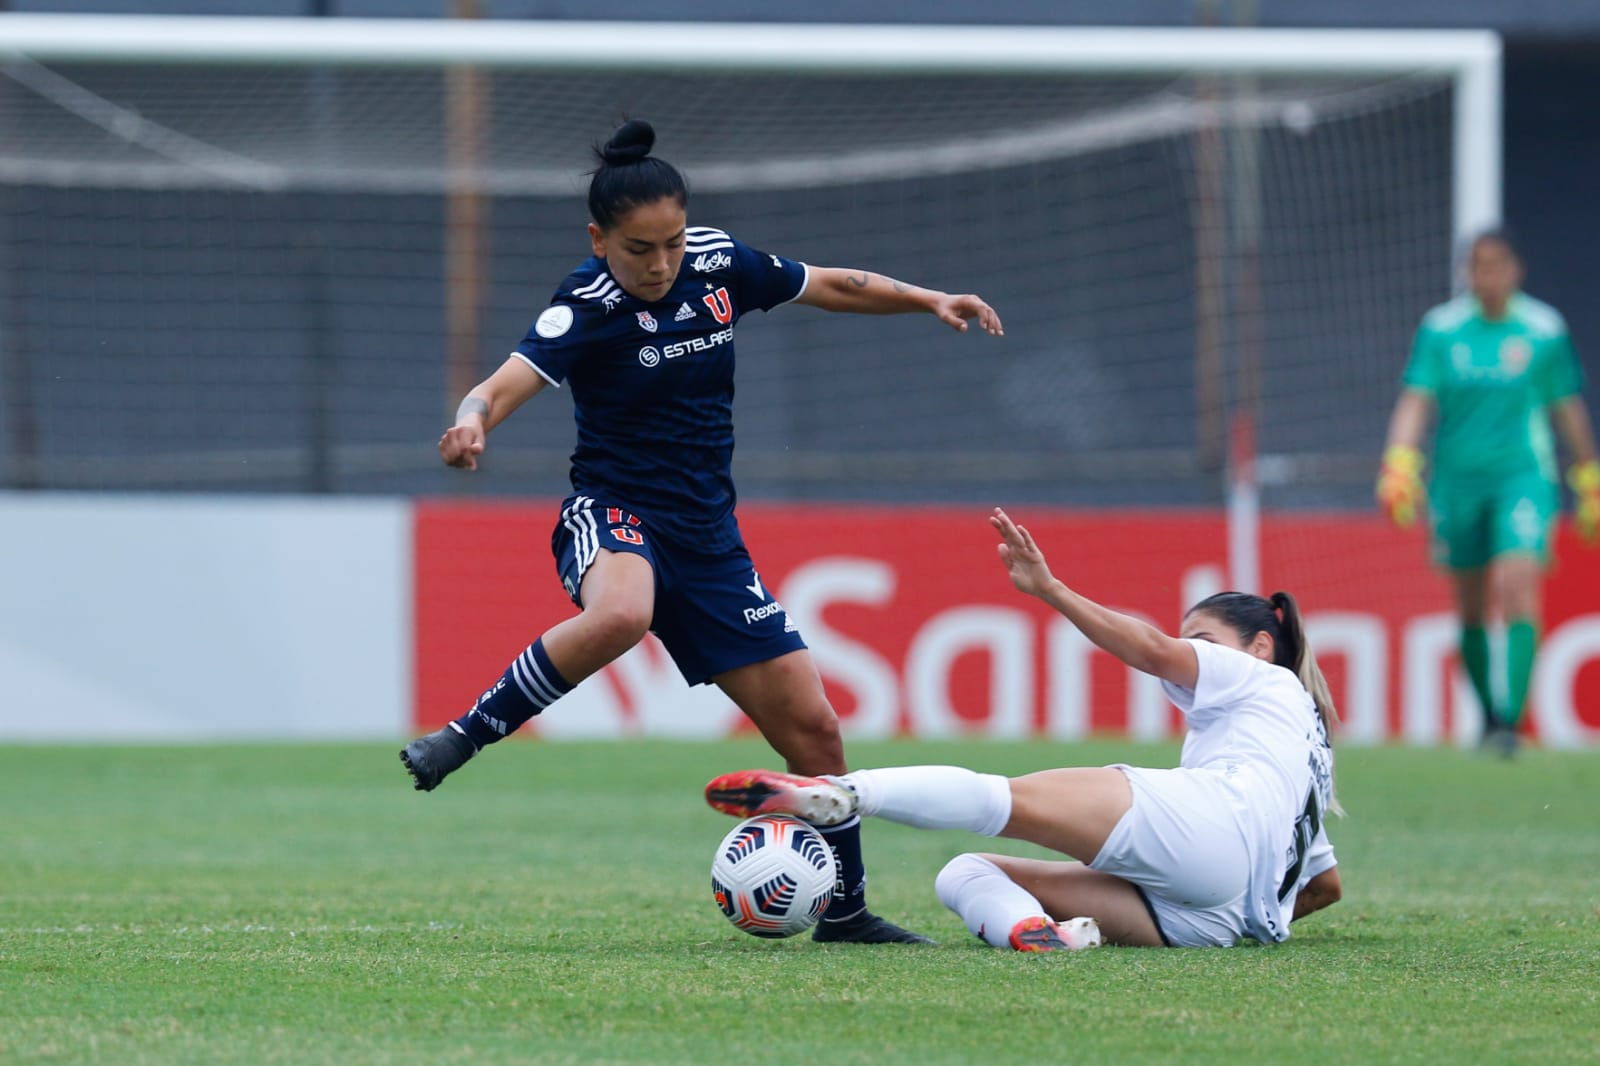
(1181, 847)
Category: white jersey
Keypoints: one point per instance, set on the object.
(1254, 723)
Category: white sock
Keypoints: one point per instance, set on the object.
(934, 797)
(985, 898)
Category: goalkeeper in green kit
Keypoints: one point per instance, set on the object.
(1497, 367)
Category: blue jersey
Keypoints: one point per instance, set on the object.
(652, 382)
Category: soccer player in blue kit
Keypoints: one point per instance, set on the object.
(648, 541)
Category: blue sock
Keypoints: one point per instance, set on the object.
(529, 685)
(850, 891)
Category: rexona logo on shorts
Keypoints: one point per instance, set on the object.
(752, 615)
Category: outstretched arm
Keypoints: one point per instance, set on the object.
(485, 407)
(1139, 644)
(836, 289)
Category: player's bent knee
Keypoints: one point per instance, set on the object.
(815, 753)
(813, 724)
(619, 627)
(823, 725)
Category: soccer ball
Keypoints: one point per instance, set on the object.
(773, 875)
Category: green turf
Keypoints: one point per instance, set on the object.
(551, 904)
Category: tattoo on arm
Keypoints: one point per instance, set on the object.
(472, 405)
(900, 286)
(860, 282)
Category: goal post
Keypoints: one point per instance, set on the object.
(1470, 59)
(297, 199)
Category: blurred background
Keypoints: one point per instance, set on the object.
(264, 282)
(252, 277)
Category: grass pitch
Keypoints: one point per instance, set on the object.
(551, 904)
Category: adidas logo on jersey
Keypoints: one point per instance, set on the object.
(684, 314)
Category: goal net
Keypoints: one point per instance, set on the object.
(271, 254)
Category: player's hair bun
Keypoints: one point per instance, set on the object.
(630, 143)
(628, 175)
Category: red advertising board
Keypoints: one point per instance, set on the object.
(917, 630)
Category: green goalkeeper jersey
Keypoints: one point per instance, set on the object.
(1493, 382)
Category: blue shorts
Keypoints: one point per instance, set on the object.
(712, 612)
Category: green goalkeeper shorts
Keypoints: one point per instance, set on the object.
(1478, 520)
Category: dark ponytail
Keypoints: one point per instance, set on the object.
(627, 175)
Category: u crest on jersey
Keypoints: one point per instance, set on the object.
(720, 305)
(647, 321)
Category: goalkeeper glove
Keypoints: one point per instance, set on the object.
(1400, 491)
(1584, 478)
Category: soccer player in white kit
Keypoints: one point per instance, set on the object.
(1228, 845)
